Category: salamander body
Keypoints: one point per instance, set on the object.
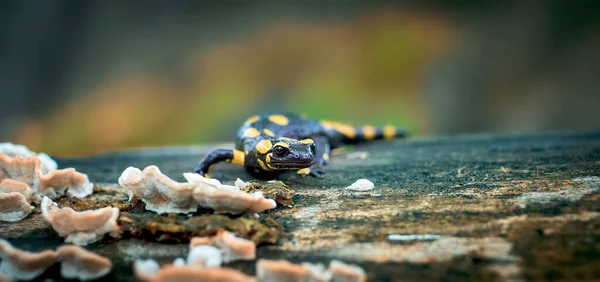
(270, 144)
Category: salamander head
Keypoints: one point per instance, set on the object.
(285, 153)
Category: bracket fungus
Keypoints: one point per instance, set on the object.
(232, 247)
(80, 228)
(51, 183)
(24, 265)
(210, 193)
(342, 272)
(13, 207)
(204, 256)
(187, 273)
(15, 150)
(160, 193)
(10, 185)
(211, 182)
(282, 270)
(77, 263)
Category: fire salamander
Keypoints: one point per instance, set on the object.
(270, 144)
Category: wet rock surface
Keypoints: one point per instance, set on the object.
(486, 207)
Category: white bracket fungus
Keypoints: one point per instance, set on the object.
(346, 272)
(145, 269)
(13, 207)
(80, 228)
(204, 256)
(361, 185)
(14, 150)
(162, 194)
(77, 263)
(210, 193)
(24, 265)
(232, 247)
(210, 182)
(170, 273)
(232, 201)
(282, 270)
(52, 183)
(10, 185)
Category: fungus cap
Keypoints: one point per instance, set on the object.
(160, 193)
(232, 247)
(13, 150)
(24, 265)
(10, 185)
(187, 273)
(54, 183)
(232, 201)
(283, 270)
(13, 207)
(342, 272)
(80, 228)
(78, 263)
(204, 256)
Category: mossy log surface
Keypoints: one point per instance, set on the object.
(489, 207)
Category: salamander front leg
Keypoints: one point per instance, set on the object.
(216, 156)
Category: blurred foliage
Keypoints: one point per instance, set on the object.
(365, 70)
(80, 77)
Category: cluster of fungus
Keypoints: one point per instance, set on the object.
(29, 178)
(26, 177)
(161, 194)
(282, 270)
(206, 255)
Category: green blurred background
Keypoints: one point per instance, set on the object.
(81, 77)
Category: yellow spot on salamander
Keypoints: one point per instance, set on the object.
(326, 156)
(251, 132)
(303, 171)
(287, 138)
(262, 165)
(346, 130)
(282, 144)
(238, 157)
(263, 146)
(279, 119)
(389, 132)
(269, 132)
(251, 120)
(369, 132)
(307, 141)
(268, 160)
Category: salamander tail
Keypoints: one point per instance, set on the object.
(368, 133)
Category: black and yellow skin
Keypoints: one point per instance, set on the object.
(270, 144)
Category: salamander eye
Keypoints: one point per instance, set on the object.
(280, 151)
(313, 148)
